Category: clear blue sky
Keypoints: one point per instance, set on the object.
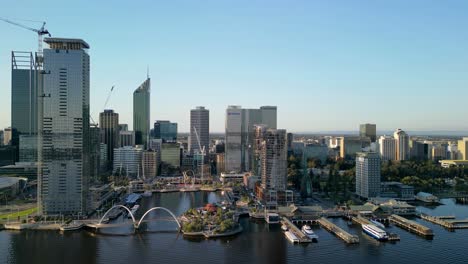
(327, 65)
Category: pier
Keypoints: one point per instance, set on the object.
(361, 220)
(449, 222)
(411, 226)
(303, 238)
(334, 229)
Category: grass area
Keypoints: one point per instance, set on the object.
(21, 214)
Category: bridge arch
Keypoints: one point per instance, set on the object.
(118, 206)
(158, 208)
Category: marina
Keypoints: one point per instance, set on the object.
(293, 229)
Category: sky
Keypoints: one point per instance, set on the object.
(328, 65)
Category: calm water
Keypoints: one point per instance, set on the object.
(257, 244)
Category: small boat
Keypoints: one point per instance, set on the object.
(291, 237)
(73, 226)
(375, 232)
(147, 194)
(284, 227)
(378, 224)
(309, 232)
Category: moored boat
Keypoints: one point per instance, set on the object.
(375, 232)
(309, 232)
(73, 226)
(284, 227)
(291, 237)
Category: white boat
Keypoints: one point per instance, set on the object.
(309, 232)
(291, 237)
(378, 224)
(73, 226)
(375, 232)
(147, 194)
(284, 227)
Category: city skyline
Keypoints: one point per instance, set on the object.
(305, 62)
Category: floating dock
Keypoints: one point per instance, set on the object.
(303, 238)
(334, 229)
(412, 226)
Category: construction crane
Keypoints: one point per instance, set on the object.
(202, 152)
(108, 97)
(40, 33)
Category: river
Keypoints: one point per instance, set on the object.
(259, 243)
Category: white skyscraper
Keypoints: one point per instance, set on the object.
(368, 174)
(240, 134)
(402, 145)
(65, 150)
(388, 148)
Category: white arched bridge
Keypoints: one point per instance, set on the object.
(136, 223)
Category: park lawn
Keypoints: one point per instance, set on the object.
(21, 214)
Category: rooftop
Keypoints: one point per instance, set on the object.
(6, 182)
(56, 43)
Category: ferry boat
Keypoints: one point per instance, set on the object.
(375, 232)
(133, 210)
(284, 228)
(378, 224)
(291, 237)
(73, 226)
(309, 232)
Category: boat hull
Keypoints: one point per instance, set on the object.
(374, 236)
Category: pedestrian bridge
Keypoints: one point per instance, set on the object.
(136, 223)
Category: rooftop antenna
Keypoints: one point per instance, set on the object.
(147, 71)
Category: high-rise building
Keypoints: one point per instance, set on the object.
(439, 151)
(368, 174)
(126, 138)
(240, 134)
(352, 145)
(402, 142)
(28, 148)
(170, 155)
(419, 150)
(463, 148)
(273, 163)
(387, 146)
(10, 136)
(165, 130)
(127, 159)
(109, 133)
(149, 162)
(368, 130)
(199, 121)
(24, 95)
(64, 140)
(141, 113)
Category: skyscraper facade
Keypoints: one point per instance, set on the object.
(165, 130)
(368, 174)
(368, 130)
(388, 150)
(240, 134)
(141, 113)
(64, 158)
(24, 95)
(199, 121)
(109, 133)
(402, 142)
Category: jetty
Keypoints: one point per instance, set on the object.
(449, 222)
(411, 226)
(334, 229)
